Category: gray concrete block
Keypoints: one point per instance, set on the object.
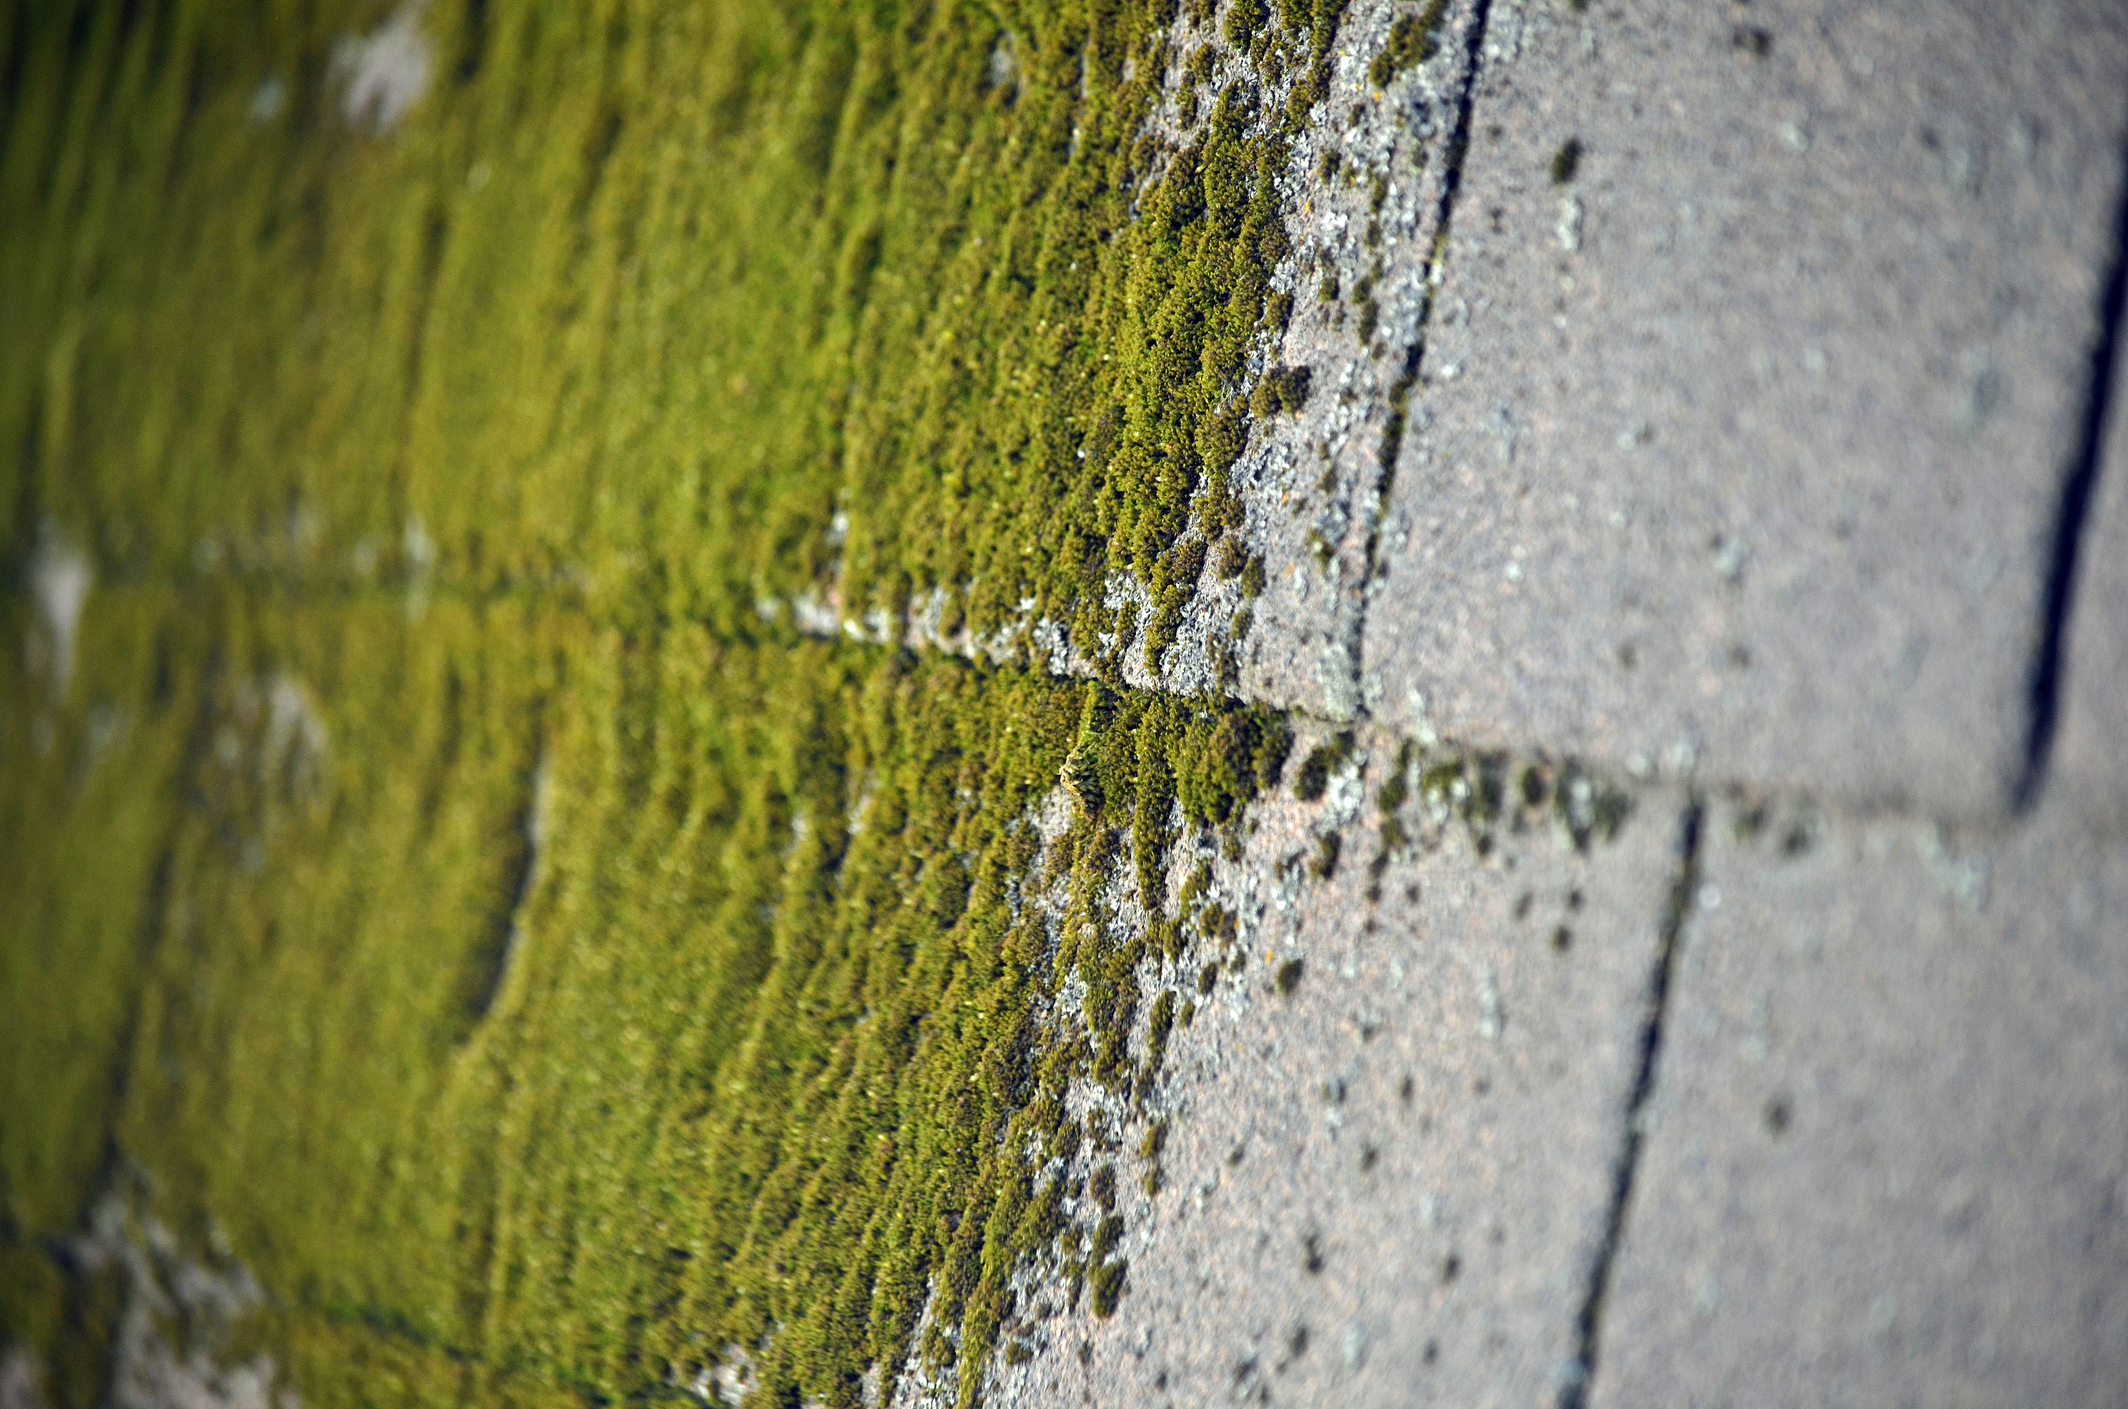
(1386, 1186)
(1750, 387)
(2090, 763)
(1886, 1157)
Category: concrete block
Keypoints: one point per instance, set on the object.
(1385, 1180)
(1886, 1157)
(1758, 362)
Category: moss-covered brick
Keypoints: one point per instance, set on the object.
(449, 871)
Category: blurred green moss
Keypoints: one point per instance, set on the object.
(446, 870)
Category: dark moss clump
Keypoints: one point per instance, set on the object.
(1486, 793)
(1321, 762)
(1566, 162)
(1412, 40)
(1289, 975)
(1283, 389)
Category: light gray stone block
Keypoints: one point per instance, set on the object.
(1886, 1157)
(1758, 361)
(1388, 1186)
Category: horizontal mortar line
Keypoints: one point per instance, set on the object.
(1830, 803)
(301, 590)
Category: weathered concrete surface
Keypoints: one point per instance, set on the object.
(1363, 228)
(2090, 764)
(1388, 1185)
(1742, 422)
(1886, 1157)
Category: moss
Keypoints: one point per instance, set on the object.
(1396, 788)
(1413, 39)
(1161, 1023)
(781, 1039)
(1566, 161)
(627, 977)
(1107, 1282)
(1278, 312)
(1283, 390)
(1289, 975)
(1323, 760)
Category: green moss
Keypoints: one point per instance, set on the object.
(1413, 39)
(1107, 1281)
(1283, 389)
(617, 977)
(1566, 161)
(770, 1043)
(1289, 975)
(1322, 760)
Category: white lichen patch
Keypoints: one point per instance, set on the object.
(1962, 877)
(60, 578)
(386, 71)
(170, 1346)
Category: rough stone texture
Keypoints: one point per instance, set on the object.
(1386, 1187)
(1738, 443)
(1310, 482)
(1886, 1158)
(2090, 764)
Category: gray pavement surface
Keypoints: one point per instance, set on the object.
(1758, 363)
(1887, 1151)
(1388, 1185)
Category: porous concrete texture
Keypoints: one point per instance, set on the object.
(1365, 201)
(1759, 359)
(1886, 1156)
(1389, 1169)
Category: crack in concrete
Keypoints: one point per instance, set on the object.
(1414, 354)
(1677, 909)
(2078, 487)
